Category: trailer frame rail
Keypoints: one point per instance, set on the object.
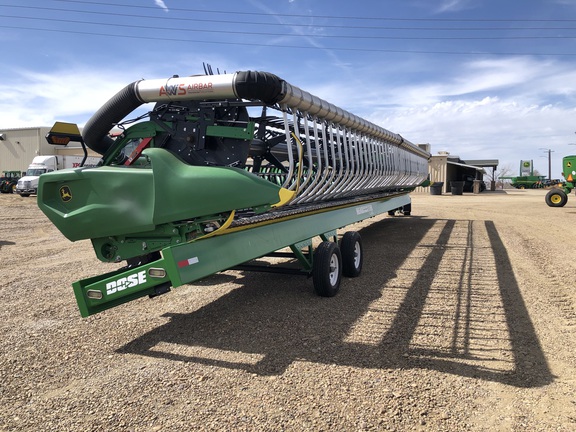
(189, 262)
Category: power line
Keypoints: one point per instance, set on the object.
(227, 31)
(347, 17)
(197, 19)
(260, 23)
(166, 39)
(246, 33)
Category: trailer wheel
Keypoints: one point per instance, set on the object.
(556, 198)
(352, 255)
(327, 269)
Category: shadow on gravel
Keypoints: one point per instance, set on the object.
(6, 243)
(434, 294)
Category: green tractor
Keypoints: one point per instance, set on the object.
(558, 196)
(9, 180)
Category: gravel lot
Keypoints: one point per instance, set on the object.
(464, 319)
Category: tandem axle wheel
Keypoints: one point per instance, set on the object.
(326, 264)
(331, 261)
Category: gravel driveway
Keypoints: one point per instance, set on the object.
(463, 319)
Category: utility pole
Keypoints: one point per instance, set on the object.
(549, 162)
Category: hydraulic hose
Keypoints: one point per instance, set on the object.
(95, 132)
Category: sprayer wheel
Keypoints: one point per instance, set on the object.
(556, 198)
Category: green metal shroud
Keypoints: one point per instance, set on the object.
(569, 172)
(89, 203)
(192, 261)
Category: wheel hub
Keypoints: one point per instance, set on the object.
(333, 269)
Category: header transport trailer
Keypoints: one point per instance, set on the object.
(223, 170)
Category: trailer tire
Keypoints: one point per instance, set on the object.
(327, 269)
(556, 198)
(352, 254)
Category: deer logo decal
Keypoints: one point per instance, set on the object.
(65, 194)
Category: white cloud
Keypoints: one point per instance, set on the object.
(454, 5)
(70, 95)
(506, 109)
(160, 3)
(521, 77)
(491, 128)
(313, 27)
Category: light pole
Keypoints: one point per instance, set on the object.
(549, 162)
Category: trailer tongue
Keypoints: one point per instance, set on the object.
(226, 169)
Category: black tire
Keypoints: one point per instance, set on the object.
(407, 209)
(556, 198)
(24, 195)
(327, 269)
(352, 254)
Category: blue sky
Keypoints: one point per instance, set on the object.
(478, 78)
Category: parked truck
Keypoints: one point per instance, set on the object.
(28, 185)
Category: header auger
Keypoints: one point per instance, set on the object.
(232, 159)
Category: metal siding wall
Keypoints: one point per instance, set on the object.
(19, 148)
(437, 168)
(22, 145)
(45, 148)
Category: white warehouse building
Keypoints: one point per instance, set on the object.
(19, 146)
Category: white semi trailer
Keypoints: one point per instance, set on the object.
(28, 185)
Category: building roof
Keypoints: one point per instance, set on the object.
(476, 167)
(482, 162)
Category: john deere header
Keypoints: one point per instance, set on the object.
(214, 155)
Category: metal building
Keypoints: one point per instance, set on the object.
(447, 168)
(19, 146)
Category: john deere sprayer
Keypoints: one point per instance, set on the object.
(558, 196)
(221, 170)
